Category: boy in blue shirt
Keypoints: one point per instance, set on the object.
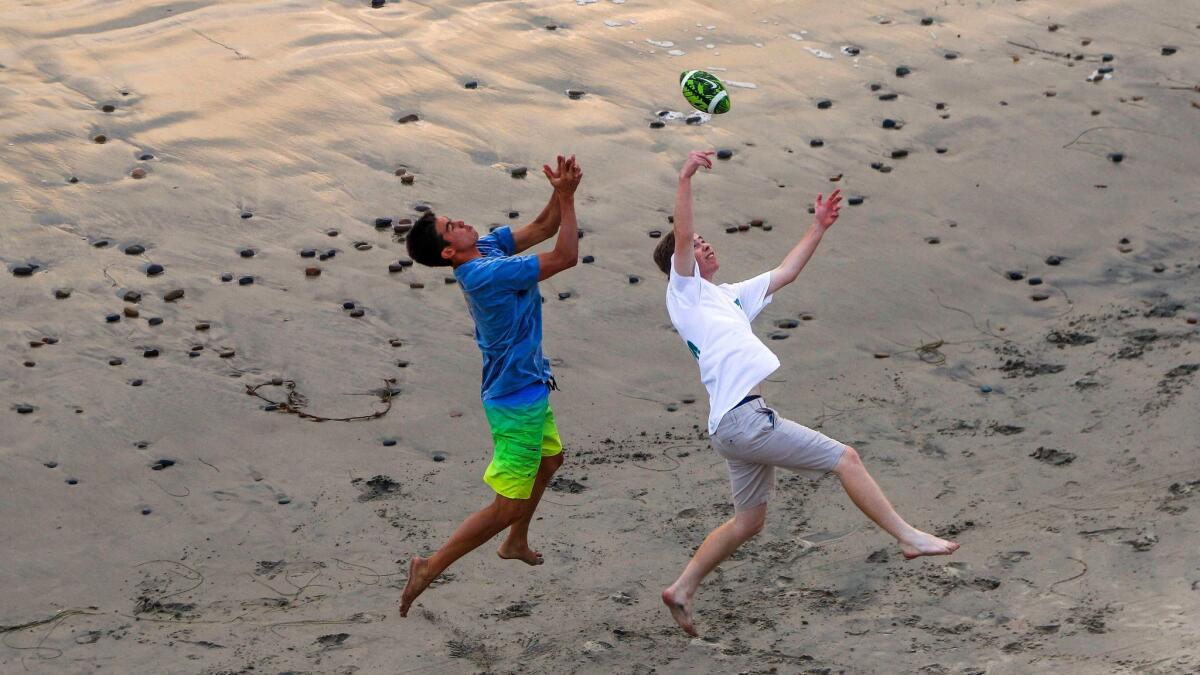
(502, 296)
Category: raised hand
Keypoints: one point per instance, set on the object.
(695, 160)
(825, 212)
(567, 176)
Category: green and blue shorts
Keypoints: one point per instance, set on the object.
(523, 432)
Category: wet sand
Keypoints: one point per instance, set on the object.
(1004, 326)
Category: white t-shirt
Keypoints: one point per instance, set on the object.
(714, 322)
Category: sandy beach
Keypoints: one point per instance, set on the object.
(202, 212)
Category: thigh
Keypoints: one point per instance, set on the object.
(797, 448)
(752, 484)
(517, 438)
(551, 441)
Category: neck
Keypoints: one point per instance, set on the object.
(708, 277)
(465, 256)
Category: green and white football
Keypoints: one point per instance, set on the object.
(704, 91)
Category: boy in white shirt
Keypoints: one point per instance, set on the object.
(714, 323)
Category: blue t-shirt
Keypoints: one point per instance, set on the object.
(502, 294)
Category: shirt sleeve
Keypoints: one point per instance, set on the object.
(752, 294)
(685, 289)
(497, 242)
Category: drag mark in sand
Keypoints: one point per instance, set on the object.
(296, 402)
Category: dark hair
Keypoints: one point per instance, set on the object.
(424, 243)
(664, 251)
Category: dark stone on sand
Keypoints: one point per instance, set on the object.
(514, 214)
(226, 276)
(132, 296)
(927, 21)
(202, 326)
(657, 124)
(588, 259)
(245, 281)
(899, 154)
(1116, 157)
(824, 104)
(875, 86)
(693, 119)
(767, 227)
(362, 246)
(357, 313)
(227, 353)
(564, 295)
(402, 363)
(1052, 456)
(903, 71)
(634, 279)
(145, 157)
(155, 321)
(146, 512)
(162, 464)
(757, 222)
(1014, 275)
(312, 271)
(23, 270)
(787, 323)
(449, 279)
(551, 26)
(154, 269)
(72, 180)
(23, 409)
(470, 84)
(246, 215)
(1064, 339)
(150, 353)
(135, 249)
(941, 151)
(395, 267)
(100, 138)
(173, 295)
(889, 96)
(816, 143)
(136, 383)
(985, 389)
(1168, 50)
(1107, 57)
(51, 464)
(112, 318)
(131, 313)
(247, 253)
(376, 4)
(889, 123)
(950, 56)
(1035, 281)
(439, 457)
(308, 253)
(331, 233)
(389, 442)
(778, 336)
(62, 293)
(115, 361)
(933, 240)
(655, 234)
(407, 179)
(383, 222)
(855, 200)
(72, 481)
(137, 173)
(519, 172)
(348, 305)
(575, 94)
(724, 154)
(731, 229)
(411, 117)
(1038, 297)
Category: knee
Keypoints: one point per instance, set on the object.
(850, 461)
(509, 511)
(552, 463)
(750, 524)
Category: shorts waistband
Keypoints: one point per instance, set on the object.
(751, 397)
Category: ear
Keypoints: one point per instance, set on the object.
(448, 253)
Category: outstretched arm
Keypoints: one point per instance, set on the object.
(546, 224)
(685, 259)
(826, 214)
(566, 248)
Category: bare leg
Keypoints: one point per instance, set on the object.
(470, 535)
(516, 545)
(867, 496)
(717, 546)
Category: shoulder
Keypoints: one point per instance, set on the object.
(498, 242)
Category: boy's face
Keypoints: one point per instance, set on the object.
(706, 257)
(458, 235)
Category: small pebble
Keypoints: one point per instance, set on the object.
(226, 353)
(131, 313)
(308, 253)
(331, 233)
(348, 305)
(411, 117)
(633, 279)
(471, 84)
(362, 246)
(389, 442)
(1034, 281)
(62, 293)
(115, 361)
(154, 269)
(30, 364)
(416, 284)
(514, 214)
(150, 353)
(245, 281)
(100, 138)
(927, 21)
(890, 96)
(407, 179)
(588, 259)
(146, 512)
(731, 229)
(72, 481)
(824, 104)
(1054, 260)
(932, 240)
(72, 180)
(246, 215)
(383, 222)
(855, 200)
(376, 4)
(312, 271)
(985, 389)
(1168, 50)
(137, 173)
(202, 326)
(724, 154)
(564, 295)
(903, 71)
(941, 151)
(136, 383)
(132, 296)
(950, 56)
(1107, 58)
(655, 234)
(23, 270)
(357, 313)
(889, 123)
(145, 157)
(448, 280)
(23, 409)
(1014, 275)
(816, 143)
(247, 253)
(575, 94)
(172, 296)
(51, 464)
(402, 364)
(657, 124)
(439, 457)
(112, 318)
(1116, 157)
(162, 464)
(899, 154)
(135, 249)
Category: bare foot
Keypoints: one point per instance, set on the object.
(522, 553)
(417, 583)
(923, 543)
(681, 610)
